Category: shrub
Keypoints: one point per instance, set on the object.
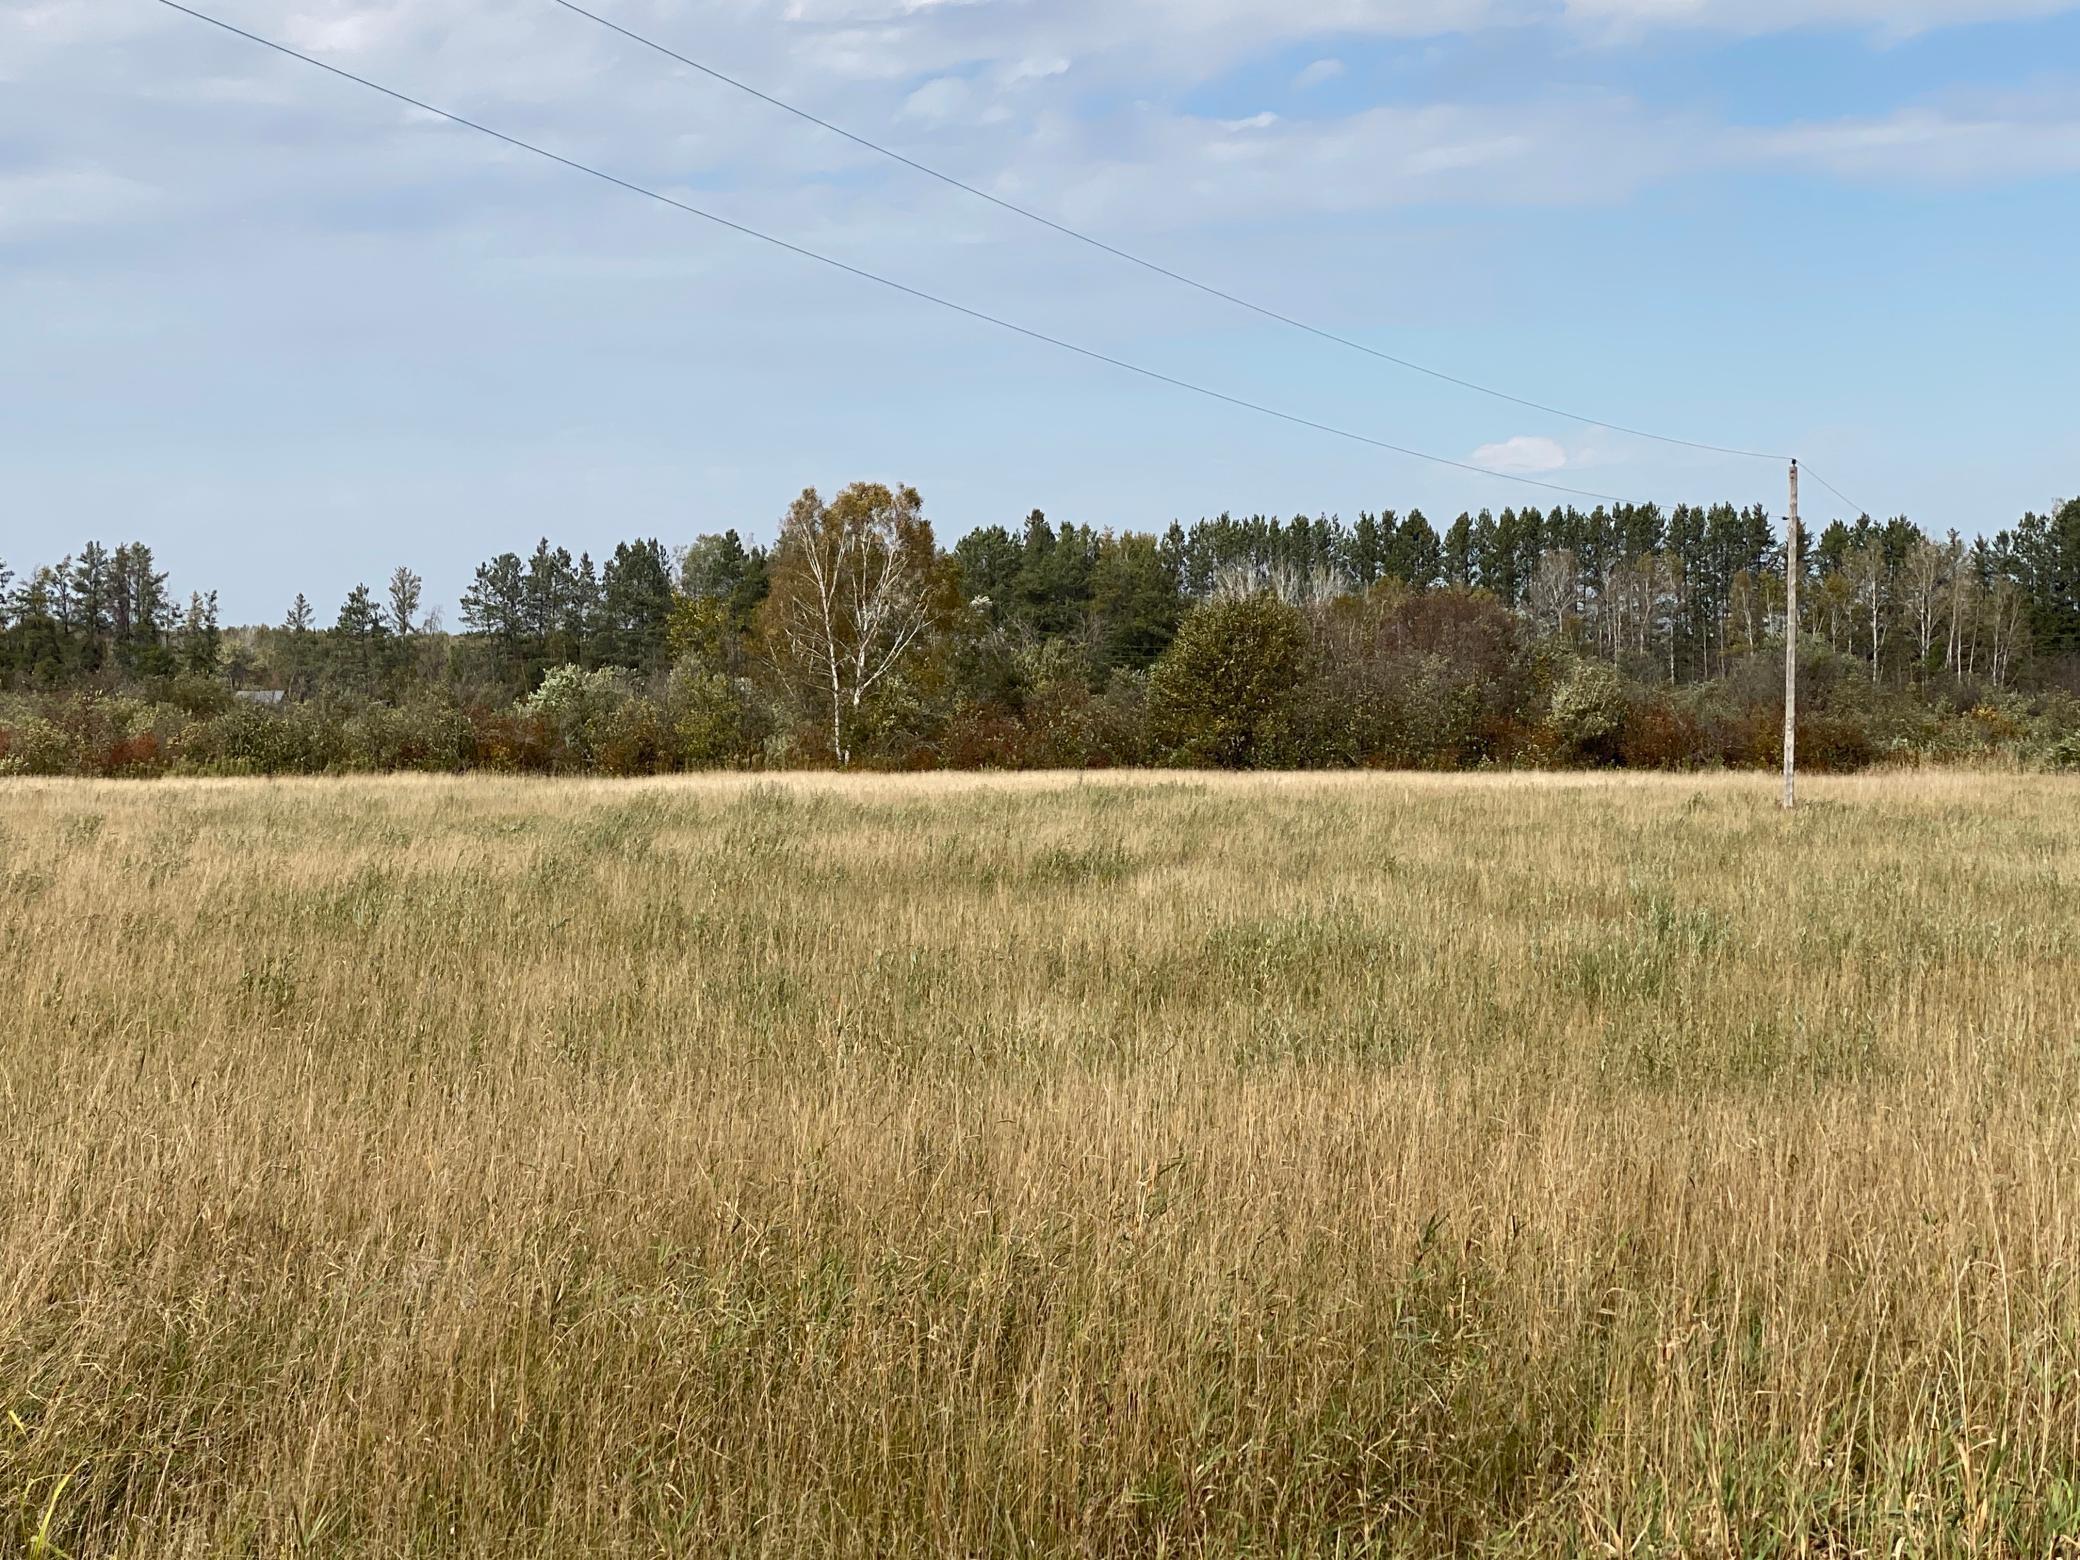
(711, 716)
(253, 739)
(1658, 733)
(424, 736)
(512, 740)
(1587, 713)
(1222, 693)
(1438, 680)
(630, 738)
(1831, 744)
(598, 719)
(985, 735)
(87, 734)
(33, 745)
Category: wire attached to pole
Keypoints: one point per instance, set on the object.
(1158, 269)
(998, 321)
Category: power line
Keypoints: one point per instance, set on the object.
(1150, 265)
(1837, 492)
(870, 276)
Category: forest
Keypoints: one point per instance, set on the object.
(1621, 636)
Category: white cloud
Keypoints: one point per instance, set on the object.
(1022, 71)
(1526, 455)
(938, 99)
(1320, 72)
(1167, 37)
(2021, 137)
(1158, 169)
(994, 91)
(1892, 18)
(348, 30)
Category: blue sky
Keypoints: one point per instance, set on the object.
(293, 334)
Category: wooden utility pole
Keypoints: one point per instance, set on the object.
(1791, 649)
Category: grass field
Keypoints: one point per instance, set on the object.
(941, 1166)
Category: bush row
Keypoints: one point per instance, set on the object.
(1068, 727)
(1437, 680)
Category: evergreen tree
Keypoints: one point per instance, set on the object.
(496, 606)
(1458, 563)
(143, 613)
(299, 649)
(406, 589)
(989, 559)
(635, 597)
(92, 603)
(357, 642)
(1415, 556)
(550, 632)
(723, 570)
(2043, 555)
(1371, 542)
(1134, 600)
(201, 637)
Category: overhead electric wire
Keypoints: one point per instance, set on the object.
(852, 270)
(1837, 492)
(1150, 265)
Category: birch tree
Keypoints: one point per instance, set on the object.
(1963, 612)
(857, 583)
(1925, 592)
(2007, 614)
(1869, 581)
(1554, 590)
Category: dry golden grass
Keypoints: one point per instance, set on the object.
(1039, 1166)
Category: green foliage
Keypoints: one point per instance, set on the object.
(715, 720)
(1429, 680)
(600, 720)
(423, 735)
(1622, 635)
(1588, 712)
(248, 739)
(2045, 550)
(1222, 693)
(635, 606)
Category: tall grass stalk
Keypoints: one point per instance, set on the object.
(1040, 1166)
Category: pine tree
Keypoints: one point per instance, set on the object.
(405, 591)
(201, 638)
(92, 592)
(635, 596)
(299, 649)
(1458, 560)
(1370, 540)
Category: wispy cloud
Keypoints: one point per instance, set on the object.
(1526, 455)
(1893, 18)
(2019, 136)
(992, 90)
(941, 98)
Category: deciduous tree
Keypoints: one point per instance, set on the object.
(856, 583)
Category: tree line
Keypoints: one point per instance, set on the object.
(1624, 634)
